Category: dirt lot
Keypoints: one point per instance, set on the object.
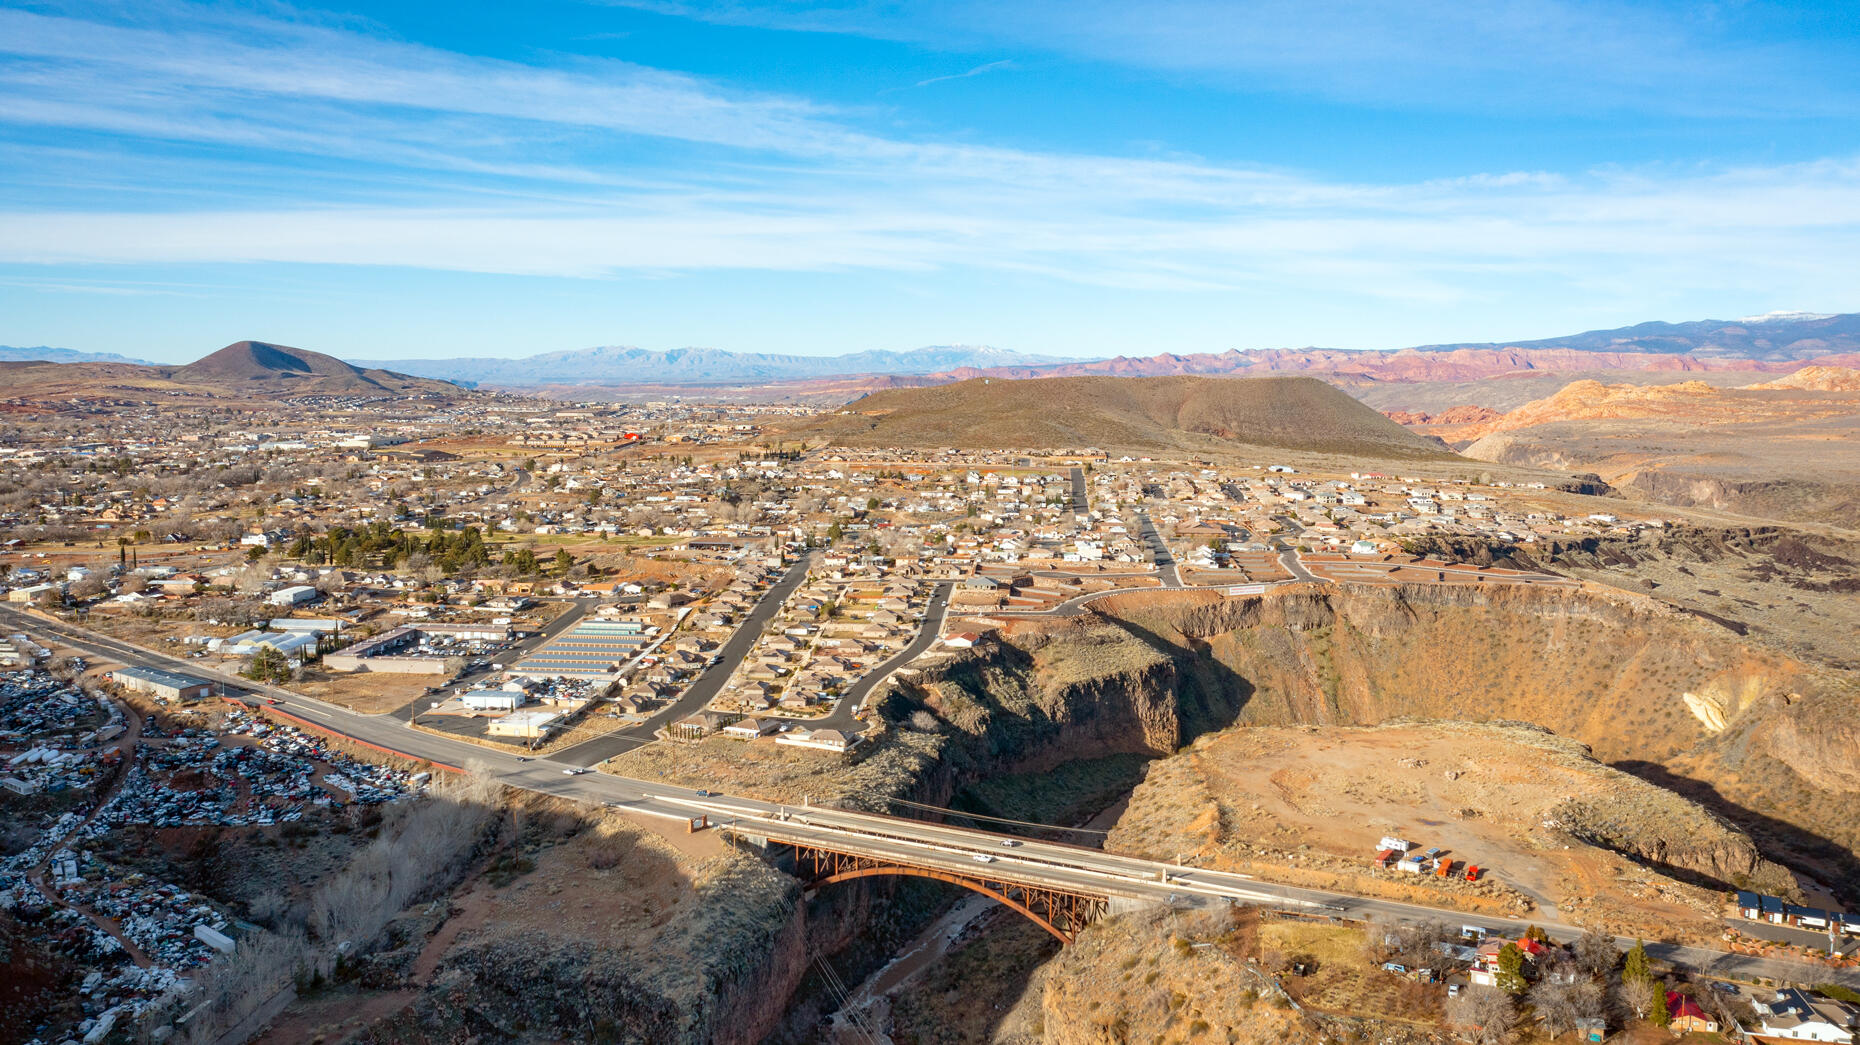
(1291, 803)
(369, 692)
(888, 765)
(1341, 979)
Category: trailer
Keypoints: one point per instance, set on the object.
(1445, 869)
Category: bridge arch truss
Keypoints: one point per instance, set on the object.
(1061, 912)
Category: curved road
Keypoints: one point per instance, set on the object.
(707, 685)
(845, 713)
(907, 841)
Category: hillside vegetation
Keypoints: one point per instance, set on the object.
(1194, 414)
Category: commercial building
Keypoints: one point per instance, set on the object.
(162, 685)
(525, 724)
(295, 595)
(593, 649)
(492, 700)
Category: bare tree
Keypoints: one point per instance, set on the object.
(1638, 995)
(1596, 953)
(1723, 1008)
(1560, 1002)
(423, 846)
(239, 984)
(88, 587)
(1483, 1015)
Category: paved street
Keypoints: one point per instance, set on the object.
(844, 714)
(1158, 550)
(708, 683)
(935, 845)
(1288, 552)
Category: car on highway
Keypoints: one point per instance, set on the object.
(526, 758)
(984, 858)
(1010, 843)
(704, 794)
(574, 771)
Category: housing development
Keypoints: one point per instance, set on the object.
(277, 624)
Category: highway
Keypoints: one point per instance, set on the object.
(1030, 862)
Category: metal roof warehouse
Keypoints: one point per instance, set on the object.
(591, 649)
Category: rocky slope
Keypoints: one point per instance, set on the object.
(1127, 980)
(1552, 825)
(1670, 696)
(1780, 450)
(1782, 588)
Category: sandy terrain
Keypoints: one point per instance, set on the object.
(1280, 801)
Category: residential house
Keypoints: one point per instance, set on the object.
(1798, 1015)
(1688, 1018)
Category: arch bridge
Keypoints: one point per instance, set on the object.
(1060, 911)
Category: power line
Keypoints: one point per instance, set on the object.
(995, 819)
(841, 995)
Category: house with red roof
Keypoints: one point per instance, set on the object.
(1688, 1018)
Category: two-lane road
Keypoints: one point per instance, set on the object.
(709, 682)
(951, 848)
(845, 713)
(1159, 551)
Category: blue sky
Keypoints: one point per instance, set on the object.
(1075, 178)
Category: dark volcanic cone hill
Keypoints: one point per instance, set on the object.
(1198, 414)
(243, 363)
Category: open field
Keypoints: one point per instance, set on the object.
(1581, 841)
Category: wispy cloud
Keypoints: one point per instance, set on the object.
(987, 67)
(1547, 56)
(403, 155)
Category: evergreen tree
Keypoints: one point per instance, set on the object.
(1638, 966)
(1659, 1015)
(1511, 969)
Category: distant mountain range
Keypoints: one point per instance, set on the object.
(1776, 342)
(1777, 335)
(701, 366)
(1778, 338)
(11, 353)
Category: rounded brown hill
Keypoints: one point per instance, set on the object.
(246, 362)
(1198, 414)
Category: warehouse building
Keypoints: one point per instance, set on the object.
(166, 686)
(593, 649)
